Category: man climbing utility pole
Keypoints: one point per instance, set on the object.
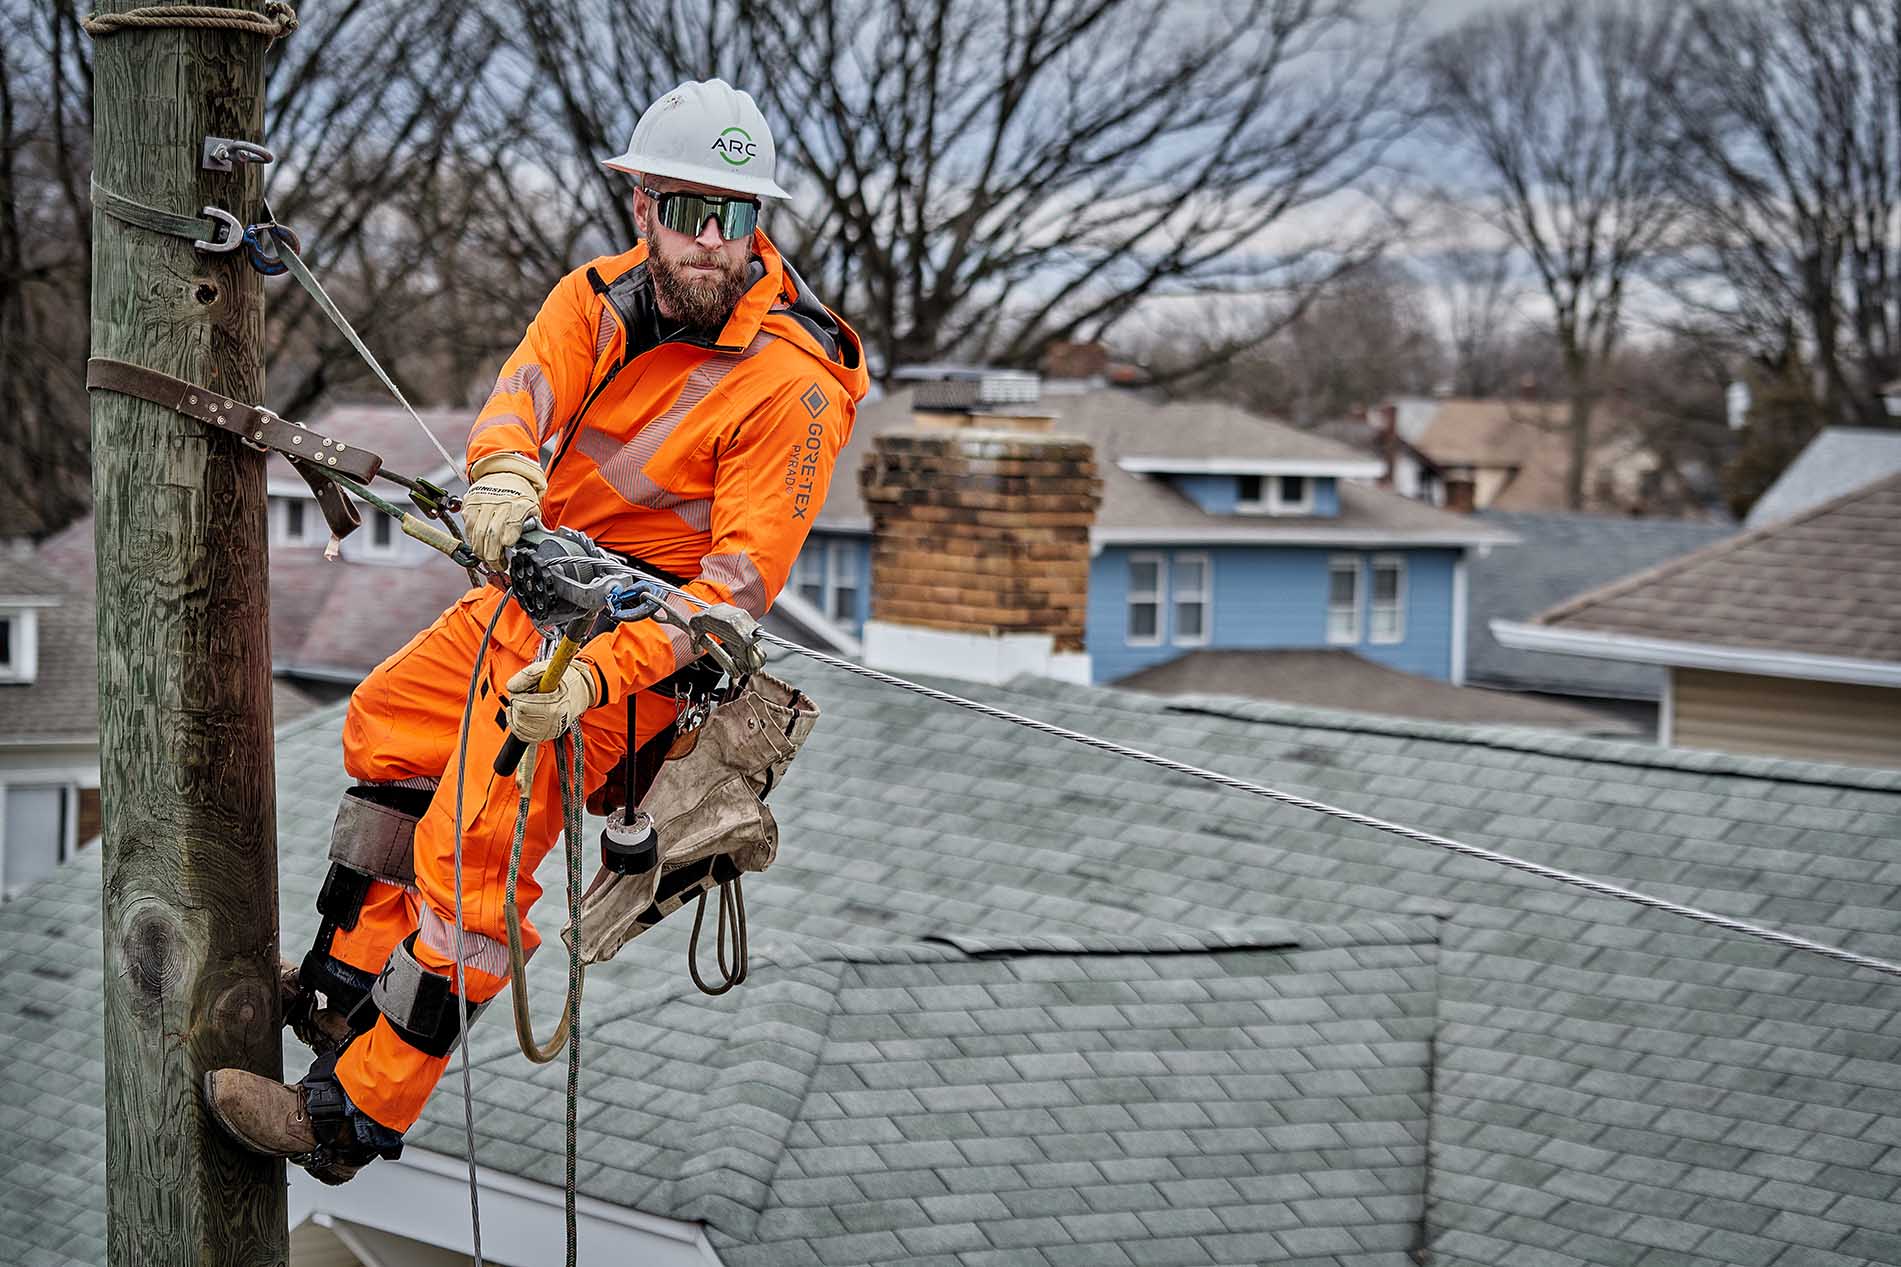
(186, 777)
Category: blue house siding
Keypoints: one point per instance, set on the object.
(1215, 494)
(1221, 494)
(826, 560)
(1275, 596)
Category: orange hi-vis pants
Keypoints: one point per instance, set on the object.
(403, 724)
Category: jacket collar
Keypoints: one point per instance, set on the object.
(742, 327)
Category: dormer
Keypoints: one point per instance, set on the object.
(1277, 487)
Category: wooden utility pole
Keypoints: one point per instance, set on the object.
(185, 759)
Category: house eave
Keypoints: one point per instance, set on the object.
(1346, 469)
(1317, 536)
(521, 1217)
(836, 639)
(1670, 653)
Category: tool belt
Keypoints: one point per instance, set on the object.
(707, 805)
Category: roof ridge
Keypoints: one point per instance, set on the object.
(1716, 549)
(723, 1182)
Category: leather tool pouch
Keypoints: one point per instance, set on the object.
(707, 805)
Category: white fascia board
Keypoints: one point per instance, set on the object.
(28, 600)
(1272, 534)
(1696, 655)
(836, 640)
(425, 1196)
(1346, 469)
(853, 527)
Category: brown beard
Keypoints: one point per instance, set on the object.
(700, 302)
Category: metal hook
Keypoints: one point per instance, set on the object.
(266, 258)
(229, 235)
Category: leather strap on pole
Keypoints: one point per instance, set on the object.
(310, 452)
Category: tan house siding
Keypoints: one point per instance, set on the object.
(1786, 717)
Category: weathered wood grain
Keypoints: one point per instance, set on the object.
(186, 777)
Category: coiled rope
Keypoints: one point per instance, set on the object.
(277, 20)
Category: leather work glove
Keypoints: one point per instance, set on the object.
(506, 488)
(535, 716)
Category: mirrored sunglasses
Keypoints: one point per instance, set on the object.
(686, 212)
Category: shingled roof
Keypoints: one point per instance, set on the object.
(1609, 1084)
(1559, 556)
(1821, 583)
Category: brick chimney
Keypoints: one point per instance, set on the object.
(980, 545)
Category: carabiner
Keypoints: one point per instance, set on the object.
(265, 258)
(228, 234)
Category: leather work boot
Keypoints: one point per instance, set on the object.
(322, 1029)
(311, 1122)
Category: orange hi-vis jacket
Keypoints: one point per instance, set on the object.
(708, 458)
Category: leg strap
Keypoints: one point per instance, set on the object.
(420, 1005)
(375, 831)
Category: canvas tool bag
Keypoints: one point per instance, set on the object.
(707, 805)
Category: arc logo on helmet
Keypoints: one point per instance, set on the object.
(735, 146)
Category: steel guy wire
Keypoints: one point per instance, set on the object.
(1775, 937)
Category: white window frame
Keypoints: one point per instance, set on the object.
(1397, 562)
(1203, 597)
(1278, 505)
(840, 557)
(1270, 502)
(309, 535)
(1158, 596)
(22, 665)
(369, 549)
(1345, 563)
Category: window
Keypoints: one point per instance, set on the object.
(378, 538)
(19, 635)
(1192, 596)
(808, 574)
(1145, 600)
(1275, 494)
(1343, 600)
(293, 523)
(842, 571)
(1386, 615)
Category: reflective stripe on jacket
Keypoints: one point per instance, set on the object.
(709, 459)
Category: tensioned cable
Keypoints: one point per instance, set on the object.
(1775, 937)
(1788, 941)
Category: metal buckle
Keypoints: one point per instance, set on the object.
(228, 235)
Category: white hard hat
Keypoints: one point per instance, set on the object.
(710, 133)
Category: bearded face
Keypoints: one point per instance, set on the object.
(693, 285)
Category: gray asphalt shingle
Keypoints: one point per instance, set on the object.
(1109, 1039)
